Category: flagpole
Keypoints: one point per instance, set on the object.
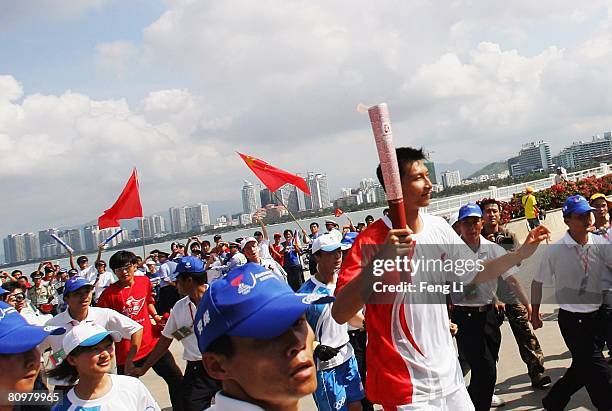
(144, 250)
(286, 208)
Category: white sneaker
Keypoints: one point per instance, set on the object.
(497, 401)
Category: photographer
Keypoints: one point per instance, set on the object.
(517, 314)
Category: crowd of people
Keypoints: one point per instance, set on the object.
(257, 333)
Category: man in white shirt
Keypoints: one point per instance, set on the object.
(263, 240)
(78, 296)
(250, 249)
(85, 270)
(103, 279)
(479, 336)
(577, 264)
(198, 387)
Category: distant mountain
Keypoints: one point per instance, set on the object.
(465, 168)
(493, 168)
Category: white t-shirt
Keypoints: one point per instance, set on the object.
(224, 403)
(104, 280)
(577, 272)
(109, 319)
(88, 273)
(476, 295)
(180, 326)
(126, 394)
(264, 250)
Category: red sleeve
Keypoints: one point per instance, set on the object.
(351, 266)
(105, 300)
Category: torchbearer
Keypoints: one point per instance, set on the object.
(411, 358)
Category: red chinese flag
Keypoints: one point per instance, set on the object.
(338, 212)
(272, 177)
(127, 205)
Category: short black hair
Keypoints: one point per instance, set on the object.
(222, 345)
(488, 201)
(121, 259)
(314, 224)
(256, 233)
(369, 217)
(82, 259)
(12, 286)
(405, 157)
(287, 231)
(99, 263)
(15, 272)
(205, 242)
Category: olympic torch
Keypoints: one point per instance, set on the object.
(381, 126)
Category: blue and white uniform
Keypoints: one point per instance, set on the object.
(338, 380)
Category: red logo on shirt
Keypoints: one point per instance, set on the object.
(133, 306)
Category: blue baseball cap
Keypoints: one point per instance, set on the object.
(250, 301)
(576, 204)
(3, 291)
(188, 265)
(74, 283)
(470, 210)
(17, 335)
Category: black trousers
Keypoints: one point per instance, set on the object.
(583, 335)
(168, 296)
(358, 339)
(170, 372)
(478, 340)
(198, 387)
(295, 276)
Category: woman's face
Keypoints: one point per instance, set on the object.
(94, 360)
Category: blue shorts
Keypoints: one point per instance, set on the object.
(338, 387)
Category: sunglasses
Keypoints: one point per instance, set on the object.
(17, 297)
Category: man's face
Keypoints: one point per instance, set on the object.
(18, 371)
(183, 284)
(259, 237)
(416, 185)
(471, 228)
(286, 360)
(48, 276)
(233, 250)
(101, 268)
(314, 228)
(329, 261)
(578, 224)
(64, 277)
(601, 209)
(206, 248)
(79, 299)
(369, 221)
(37, 281)
(491, 214)
(251, 251)
(83, 264)
(277, 240)
(288, 236)
(125, 274)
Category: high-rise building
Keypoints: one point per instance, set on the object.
(45, 239)
(533, 157)
(15, 248)
(153, 225)
(450, 178)
(197, 217)
(251, 201)
(431, 168)
(91, 237)
(266, 197)
(379, 191)
(319, 193)
(295, 200)
(73, 238)
(32, 247)
(581, 153)
(178, 220)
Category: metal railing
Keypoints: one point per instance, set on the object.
(449, 205)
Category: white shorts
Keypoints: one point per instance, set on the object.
(457, 401)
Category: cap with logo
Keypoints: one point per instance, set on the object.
(329, 242)
(576, 204)
(86, 335)
(250, 301)
(17, 335)
(188, 265)
(245, 241)
(470, 210)
(74, 283)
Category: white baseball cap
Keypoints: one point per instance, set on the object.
(86, 335)
(245, 241)
(329, 242)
